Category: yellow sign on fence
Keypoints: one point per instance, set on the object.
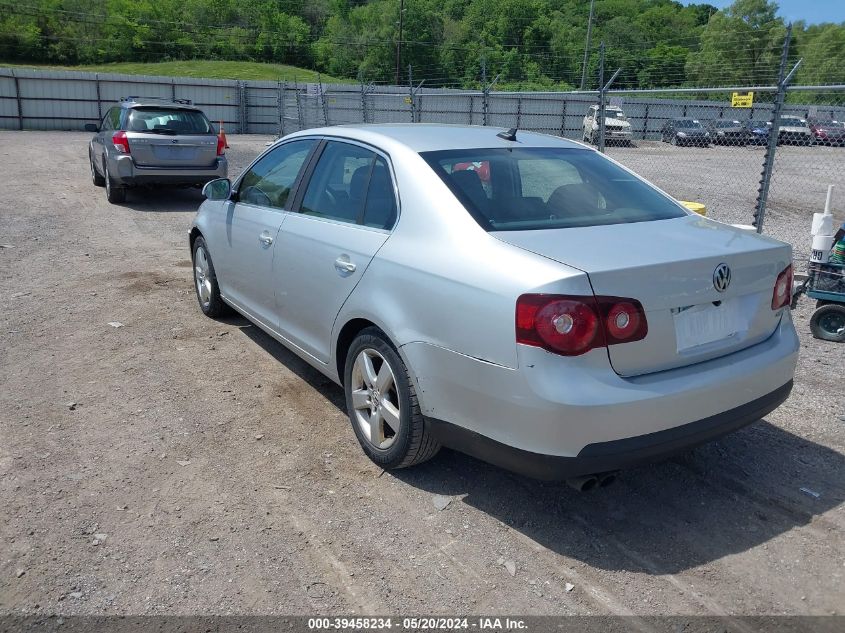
(739, 100)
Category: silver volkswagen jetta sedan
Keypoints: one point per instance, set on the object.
(515, 296)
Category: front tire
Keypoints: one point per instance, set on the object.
(382, 404)
(205, 281)
(828, 323)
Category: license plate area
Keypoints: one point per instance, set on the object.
(174, 152)
(700, 325)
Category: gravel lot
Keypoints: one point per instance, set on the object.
(178, 465)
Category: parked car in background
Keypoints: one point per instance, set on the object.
(685, 131)
(794, 131)
(500, 321)
(727, 132)
(827, 131)
(617, 128)
(757, 132)
(145, 141)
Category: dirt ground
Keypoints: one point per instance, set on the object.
(180, 465)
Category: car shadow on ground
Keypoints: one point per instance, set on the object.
(164, 199)
(719, 499)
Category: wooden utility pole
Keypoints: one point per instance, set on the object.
(399, 41)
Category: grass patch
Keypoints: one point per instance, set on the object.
(202, 69)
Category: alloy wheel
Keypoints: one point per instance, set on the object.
(201, 276)
(375, 399)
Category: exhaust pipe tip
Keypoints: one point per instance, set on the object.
(606, 479)
(586, 483)
(583, 484)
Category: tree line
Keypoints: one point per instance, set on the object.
(526, 44)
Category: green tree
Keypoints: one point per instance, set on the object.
(740, 46)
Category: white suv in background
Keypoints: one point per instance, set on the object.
(616, 125)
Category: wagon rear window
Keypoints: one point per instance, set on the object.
(168, 121)
(545, 188)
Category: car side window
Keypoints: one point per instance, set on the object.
(380, 207)
(107, 120)
(114, 115)
(268, 182)
(338, 185)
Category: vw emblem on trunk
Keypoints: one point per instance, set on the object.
(722, 277)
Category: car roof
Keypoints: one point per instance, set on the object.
(145, 102)
(430, 137)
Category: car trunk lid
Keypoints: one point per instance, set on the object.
(669, 266)
(164, 150)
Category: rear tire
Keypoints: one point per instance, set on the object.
(114, 193)
(381, 396)
(96, 178)
(828, 323)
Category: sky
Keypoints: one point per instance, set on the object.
(811, 11)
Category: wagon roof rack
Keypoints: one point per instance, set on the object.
(164, 99)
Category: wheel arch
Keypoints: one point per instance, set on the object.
(192, 237)
(345, 336)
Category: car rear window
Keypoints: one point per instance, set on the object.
(545, 188)
(168, 121)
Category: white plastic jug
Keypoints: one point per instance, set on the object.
(821, 248)
(822, 224)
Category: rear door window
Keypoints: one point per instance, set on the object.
(380, 207)
(338, 186)
(268, 182)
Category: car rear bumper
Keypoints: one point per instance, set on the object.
(615, 454)
(576, 407)
(128, 174)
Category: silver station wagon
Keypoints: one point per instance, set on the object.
(145, 141)
(511, 295)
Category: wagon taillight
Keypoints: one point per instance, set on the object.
(121, 142)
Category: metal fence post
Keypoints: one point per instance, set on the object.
(173, 89)
(645, 123)
(299, 109)
(411, 92)
(18, 100)
(518, 111)
(769, 160)
(242, 108)
(323, 102)
(601, 97)
(363, 102)
(99, 99)
(282, 87)
(563, 119)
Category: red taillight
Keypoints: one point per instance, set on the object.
(221, 145)
(782, 294)
(625, 321)
(573, 325)
(121, 142)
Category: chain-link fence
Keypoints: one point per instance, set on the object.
(741, 151)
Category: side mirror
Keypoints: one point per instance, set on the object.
(92, 127)
(219, 189)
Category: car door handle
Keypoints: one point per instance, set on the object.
(344, 265)
(265, 238)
